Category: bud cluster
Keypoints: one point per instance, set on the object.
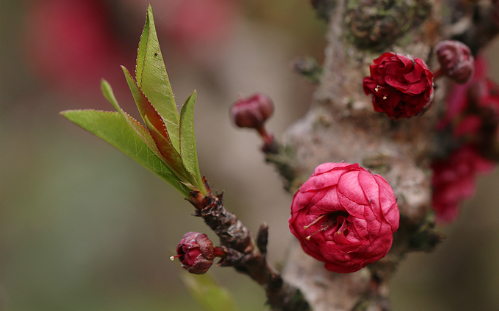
(473, 111)
(472, 118)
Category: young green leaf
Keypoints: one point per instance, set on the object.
(152, 79)
(146, 109)
(154, 98)
(115, 130)
(188, 140)
(136, 126)
(207, 293)
(107, 90)
(157, 129)
(171, 156)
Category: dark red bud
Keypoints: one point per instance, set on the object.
(252, 112)
(456, 60)
(195, 252)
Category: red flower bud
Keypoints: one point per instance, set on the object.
(344, 216)
(252, 112)
(195, 252)
(454, 180)
(462, 96)
(402, 87)
(455, 60)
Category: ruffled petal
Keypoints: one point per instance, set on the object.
(349, 186)
(344, 216)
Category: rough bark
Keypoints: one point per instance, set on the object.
(240, 251)
(342, 126)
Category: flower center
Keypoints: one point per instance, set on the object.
(380, 88)
(337, 220)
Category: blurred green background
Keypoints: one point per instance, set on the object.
(83, 227)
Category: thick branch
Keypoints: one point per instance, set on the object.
(342, 126)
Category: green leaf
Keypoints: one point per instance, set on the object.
(207, 293)
(157, 129)
(136, 126)
(188, 140)
(107, 90)
(152, 79)
(115, 129)
(170, 155)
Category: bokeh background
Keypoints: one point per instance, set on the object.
(83, 227)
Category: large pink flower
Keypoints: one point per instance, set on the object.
(344, 216)
(454, 180)
(402, 86)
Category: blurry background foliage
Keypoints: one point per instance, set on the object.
(83, 227)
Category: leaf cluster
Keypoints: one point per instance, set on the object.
(166, 145)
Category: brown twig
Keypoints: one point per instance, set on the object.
(244, 255)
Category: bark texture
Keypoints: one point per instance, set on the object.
(241, 252)
(342, 126)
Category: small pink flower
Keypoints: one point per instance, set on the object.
(195, 252)
(454, 180)
(402, 86)
(455, 60)
(344, 216)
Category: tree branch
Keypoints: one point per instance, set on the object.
(243, 254)
(342, 126)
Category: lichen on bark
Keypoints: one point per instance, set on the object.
(377, 24)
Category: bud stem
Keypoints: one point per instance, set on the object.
(219, 252)
(267, 139)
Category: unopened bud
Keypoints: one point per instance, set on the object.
(252, 112)
(455, 60)
(195, 252)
